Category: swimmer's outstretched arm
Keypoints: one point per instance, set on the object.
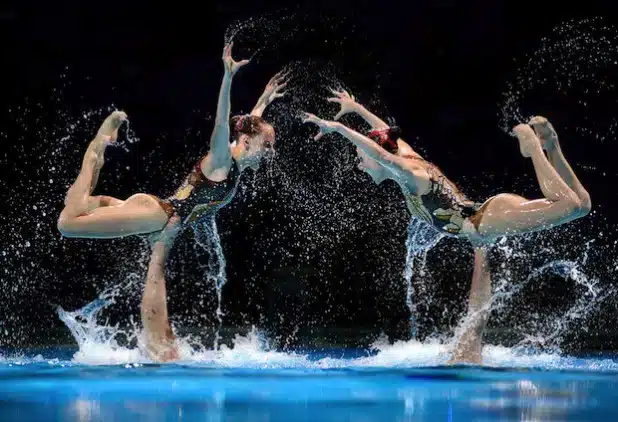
(349, 105)
(220, 156)
(416, 178)
(271, 93)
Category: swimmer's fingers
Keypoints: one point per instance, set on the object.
(274, 87)
(341, 113)
(280, 80)
(346, 106)
(342, 94)
(309, 118)
(346, 94)
(280, 76)
(312, 118)
(278, 87)
(227, 50)
(231, 65)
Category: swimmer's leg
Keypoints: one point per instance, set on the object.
(508, 214)
(139, 214)
(90, 216)
(78, 199)
(159, 338)
(549, 138)
(469, 343)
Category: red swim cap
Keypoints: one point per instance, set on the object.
(383, 138)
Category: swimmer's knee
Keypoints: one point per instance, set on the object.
(576, 206)
(586, 205)
(64, 225)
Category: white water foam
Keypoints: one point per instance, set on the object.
(252, 352)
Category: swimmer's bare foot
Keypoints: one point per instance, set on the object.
(108, 131)
(545, 131)
(529, 143)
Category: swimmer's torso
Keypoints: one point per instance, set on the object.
(443, 206)
(201, 195)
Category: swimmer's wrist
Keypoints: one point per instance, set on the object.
(227, 75)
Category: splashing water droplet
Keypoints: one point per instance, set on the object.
(421, 238)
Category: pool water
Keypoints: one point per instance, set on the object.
(327, 386)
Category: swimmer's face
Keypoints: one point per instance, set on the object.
(260, 146)
(370, 166)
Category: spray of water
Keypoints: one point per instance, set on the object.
(574, 61)
(421, 238)
(94, 335)
(207, 238)
(537, 327)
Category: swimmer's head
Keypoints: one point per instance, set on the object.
(387, 139)
(256, 135)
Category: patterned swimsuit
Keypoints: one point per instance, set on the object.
(444, 206)
(206, 196)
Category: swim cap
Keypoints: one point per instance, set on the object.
(386, 138)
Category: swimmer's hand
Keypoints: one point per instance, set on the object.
(348, 102)
(325, 126)
(274, 87)
(271, 93)
(231, 66)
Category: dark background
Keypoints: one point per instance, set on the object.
(315, 253)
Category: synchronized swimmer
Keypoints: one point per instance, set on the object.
(209, 186)
(433, 198)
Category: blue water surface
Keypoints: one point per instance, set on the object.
(52, 387)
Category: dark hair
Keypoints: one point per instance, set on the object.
(246, 125)
(387, 138)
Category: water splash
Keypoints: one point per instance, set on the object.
(421, 238)
(262, 33)
(545, 328)
(99, 342)
(253, 351)
(207, 238)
